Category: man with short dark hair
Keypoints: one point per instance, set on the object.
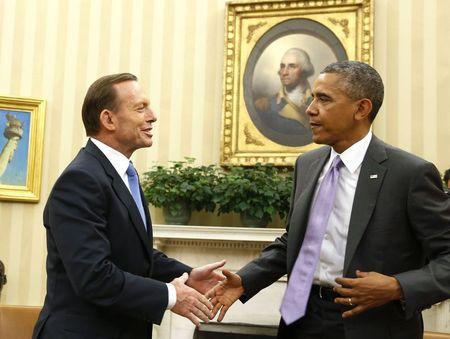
(104, 279)
(367, 243)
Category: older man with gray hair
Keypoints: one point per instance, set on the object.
(285, 111)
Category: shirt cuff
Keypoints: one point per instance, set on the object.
(172, 296)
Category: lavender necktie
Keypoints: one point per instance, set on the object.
(296, 297)
(133, 180)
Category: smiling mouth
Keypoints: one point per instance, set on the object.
(148, 132)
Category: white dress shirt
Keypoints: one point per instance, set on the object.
(120, 163)
(332, 252)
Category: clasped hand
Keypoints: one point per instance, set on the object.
(191, 302)
(225, 293)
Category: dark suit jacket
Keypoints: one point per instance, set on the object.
(104, 279)
(399, 226)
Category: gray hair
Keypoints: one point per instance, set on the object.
(361, 81)
(303, 60)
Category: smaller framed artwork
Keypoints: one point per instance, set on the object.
(21, 147)
(274, 50)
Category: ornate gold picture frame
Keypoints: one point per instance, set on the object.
(264, 105)
(21, 146)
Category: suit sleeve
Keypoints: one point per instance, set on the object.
(429, 213)
(77, 223)
(166, 269)
(271, 264)
(265, 270)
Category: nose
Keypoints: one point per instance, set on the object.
(312, 109)
(151, 116)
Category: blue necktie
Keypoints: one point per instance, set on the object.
(133, 180)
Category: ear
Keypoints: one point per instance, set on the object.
(107, 120)
(363, 109)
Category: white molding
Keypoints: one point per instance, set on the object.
(184, 232)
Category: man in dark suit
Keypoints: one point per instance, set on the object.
(104, 279)
(367, 244)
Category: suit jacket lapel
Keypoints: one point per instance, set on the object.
(124, 195)
(366, 194)
(308, 176)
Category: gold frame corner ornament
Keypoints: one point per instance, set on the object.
(30, 191)
(248, 23)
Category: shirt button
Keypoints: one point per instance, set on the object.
(326, 236)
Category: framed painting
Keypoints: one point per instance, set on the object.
(273, 52)
(21, 146)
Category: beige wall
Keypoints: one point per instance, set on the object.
(53, 49)
(412, 53)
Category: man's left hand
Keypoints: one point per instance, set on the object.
(204, 278)
(366, 291)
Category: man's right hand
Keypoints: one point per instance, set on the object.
(225, 293)
(190, 303)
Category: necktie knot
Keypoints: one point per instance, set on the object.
(337, 162)
(131, 171)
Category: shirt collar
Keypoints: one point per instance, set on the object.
(353, 156)
(119, 161)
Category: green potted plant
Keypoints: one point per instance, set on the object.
(257, 193)
(180, 188)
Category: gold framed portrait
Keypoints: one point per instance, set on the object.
(273, 52)
(21, 147)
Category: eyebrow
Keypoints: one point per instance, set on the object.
(320, 94)
(140, 103)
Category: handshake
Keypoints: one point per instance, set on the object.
(203, 293)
